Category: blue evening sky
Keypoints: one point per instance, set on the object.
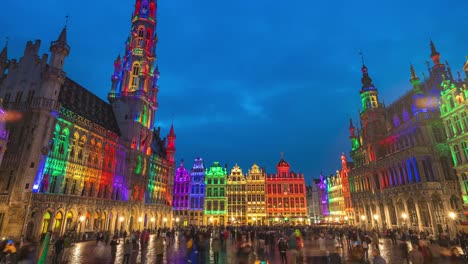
(247, 80)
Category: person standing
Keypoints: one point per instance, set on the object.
(58, 246)
(283, 248)
(216, 247)
(127, 251)
(415, 256)
(378, 259)
(66, 248)
(159, 249)
(113, 245)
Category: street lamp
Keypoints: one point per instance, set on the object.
(363, 218)
(376, 217)
(139, 221)
(152, 222)
(121, 219)
(452, 216)
(404, 216)
(165, 220)
(82, 218)
(255, 220)
(177, 221)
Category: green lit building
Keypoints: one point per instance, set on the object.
(215, 199)
(453, 111)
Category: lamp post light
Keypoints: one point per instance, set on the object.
(363, 218)
(177, 221)
(376, 218)
(165, 220)
(404, 216)
(255, 220)
(82, 218)
(453, 216)
(139, 222)
(152, 222)
(121, 219)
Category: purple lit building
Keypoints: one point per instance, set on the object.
(324, 195)
(197, 193)
(181, 195)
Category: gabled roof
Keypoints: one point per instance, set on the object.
(79, 100)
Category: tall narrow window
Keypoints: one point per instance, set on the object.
(135, 78)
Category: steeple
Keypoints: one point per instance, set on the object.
(465, 68)
(59, 49)
(4, 60)
(369, 94)
(351, 128)
(435, 55)
(171, 149)
(415, 81)
(134, 79)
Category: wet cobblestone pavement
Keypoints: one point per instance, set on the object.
(89, 252)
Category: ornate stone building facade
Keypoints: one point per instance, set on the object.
(236, 196)
(286, 196)
(255, 196)
(181, 195)
(454, 113)
(215, 198)
(197, 193)
(75, 163)
(335, 198)
(402, 171)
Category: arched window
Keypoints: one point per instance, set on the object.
(135, 76)
(141, 34)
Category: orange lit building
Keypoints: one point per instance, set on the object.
(348, 205)
(286, 196)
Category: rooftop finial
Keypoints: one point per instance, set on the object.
(66, 20)
(282, 154)
(6, 41)
(362, 57)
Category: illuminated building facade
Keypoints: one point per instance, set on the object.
(215, 199)
(453, 110)
(335, 198)
(314, 202)
(286, 196)
(348, 204)
(75, 163)
(402, 171)
(323, 189)
(255, 196)
(236, 196)
(181, 195)
(197, 193)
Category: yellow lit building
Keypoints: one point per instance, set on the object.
(256, 208)
(236, 195)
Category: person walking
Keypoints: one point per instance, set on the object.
(216, 247)
(189, 246)
(283, 248)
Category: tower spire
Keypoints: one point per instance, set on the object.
(59, 49)
(435, 55)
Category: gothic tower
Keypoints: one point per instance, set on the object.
(372, 114)
(171, 145)
(135, 79)
(133, 94)
(3, 62)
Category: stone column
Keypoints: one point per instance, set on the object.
(433, 224)
(416, 205)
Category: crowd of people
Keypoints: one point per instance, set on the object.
(258, 244)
